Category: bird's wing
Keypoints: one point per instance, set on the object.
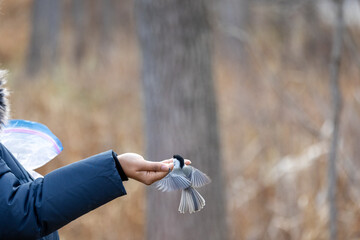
(198, 178)
(173, 181)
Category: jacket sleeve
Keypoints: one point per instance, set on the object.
(36, 209)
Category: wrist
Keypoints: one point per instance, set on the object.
(119, 168)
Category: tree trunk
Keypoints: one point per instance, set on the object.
(44, 36)
(81, 19)
(181, 113)
(233, 20)
(108, 22)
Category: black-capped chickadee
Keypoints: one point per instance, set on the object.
(186, 178)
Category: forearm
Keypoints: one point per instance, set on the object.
(82, 186)
(47, 204)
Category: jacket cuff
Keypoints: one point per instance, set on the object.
(119, 168)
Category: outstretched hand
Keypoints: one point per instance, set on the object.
(147, 172)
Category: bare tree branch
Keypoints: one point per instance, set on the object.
(336, 103)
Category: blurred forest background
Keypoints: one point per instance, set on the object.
(75, 66)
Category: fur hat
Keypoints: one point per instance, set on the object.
(4, 107)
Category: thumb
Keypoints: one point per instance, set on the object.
(158, 175)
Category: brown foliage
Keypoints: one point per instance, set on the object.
(272, 109)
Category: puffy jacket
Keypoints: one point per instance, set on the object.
(35, 209)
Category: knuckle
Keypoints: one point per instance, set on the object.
(155, 168)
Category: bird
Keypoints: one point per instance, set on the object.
(185, 178)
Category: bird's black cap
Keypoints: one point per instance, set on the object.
(181, 160)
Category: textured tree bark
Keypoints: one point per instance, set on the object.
(44, 37)
(179, 96)
(108, 22)
(95, 23)
(81, 19)
(233, 19)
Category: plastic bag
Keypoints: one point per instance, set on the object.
(32, 144)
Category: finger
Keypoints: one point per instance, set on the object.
(167, 161)
(187, 162)
(155, 167)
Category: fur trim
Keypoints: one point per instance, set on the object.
(4, 106)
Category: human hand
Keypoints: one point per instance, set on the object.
(147, 172)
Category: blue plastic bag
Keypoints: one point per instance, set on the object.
(33, 144)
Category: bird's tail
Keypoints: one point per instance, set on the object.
(191, 201)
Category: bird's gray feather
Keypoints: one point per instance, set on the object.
(197, 178)
(191, 201)
(185, 178)
(175, 180)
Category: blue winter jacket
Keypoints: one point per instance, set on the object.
(35, 209)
